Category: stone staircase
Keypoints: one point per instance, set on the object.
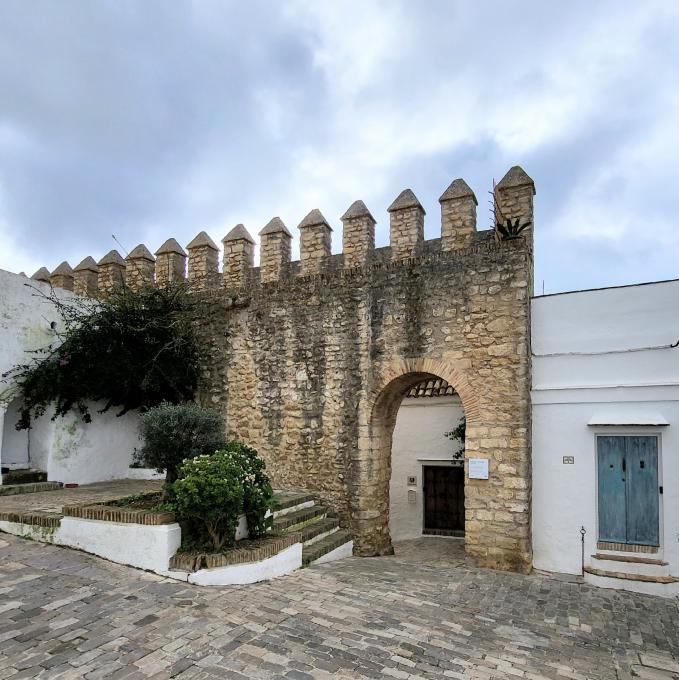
(26, 481)
(322, 538)
(645, 573)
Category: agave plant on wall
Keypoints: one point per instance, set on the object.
(510, 230)
(506, 228)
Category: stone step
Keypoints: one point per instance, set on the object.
(15, 489)
(318, 530)
(294, 521)
(634, 559)
(24, 477)
(291, 501)
(636, 565)
(287, 499)
(315, 551)
(644, 578)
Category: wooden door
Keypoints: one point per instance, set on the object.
(628, 489)
(444, 500)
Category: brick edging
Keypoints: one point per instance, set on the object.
(194, 562)
(108, 513)
(34, 519)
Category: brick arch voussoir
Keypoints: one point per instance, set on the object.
(441, 368)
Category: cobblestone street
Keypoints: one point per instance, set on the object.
(66, 614)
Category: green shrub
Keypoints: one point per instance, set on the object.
(213, 491)
(209, 494)
(257, 491)
(174, 432)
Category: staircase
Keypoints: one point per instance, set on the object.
(641, 573)
(322, 538)
(26, 481)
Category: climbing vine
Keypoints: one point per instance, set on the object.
(132, 350)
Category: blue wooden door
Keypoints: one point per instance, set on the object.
(612, 496)
(642, 490)
(628, 489)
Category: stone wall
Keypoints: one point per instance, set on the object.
(308, 361)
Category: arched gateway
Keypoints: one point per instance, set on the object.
(308, 361)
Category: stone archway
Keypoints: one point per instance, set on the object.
(373, 461)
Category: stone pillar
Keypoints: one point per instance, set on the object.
(140, 266)
(42, 275)
(62, 276)
(358, 235)
(406, 226)
(458, 216)
(274, 250)
(86, 278)
(514, 200)
(239, 257)
(170, 263)
(111, 272)
(203, 257)
(314, 245)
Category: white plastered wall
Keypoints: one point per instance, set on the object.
(600, 356)
(419, 439)
(68, 449)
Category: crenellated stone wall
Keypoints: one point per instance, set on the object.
(308, 361)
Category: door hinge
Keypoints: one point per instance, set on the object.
(660, 489)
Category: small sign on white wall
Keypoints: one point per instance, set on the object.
(478, 468)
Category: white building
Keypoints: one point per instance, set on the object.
(606, 435)
(66, 449)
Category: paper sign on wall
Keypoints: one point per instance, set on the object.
(478, 468)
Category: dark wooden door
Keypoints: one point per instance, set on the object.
(444, 500)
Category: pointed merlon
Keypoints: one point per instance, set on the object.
(88, 264)
(357, 209)
(64, 269)
(457, 189)
(42, 274)
(275, 226)
(238, 233)
(313, 219)
(170, 246)
(141, 252)
(515, 177)
(406, 199)
(201, 241)
(112, 257)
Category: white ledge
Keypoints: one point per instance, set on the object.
(641, 420)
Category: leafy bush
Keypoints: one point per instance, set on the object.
(209, 494)
(257, 491)
(174, 432)
(213, 491)
(131, 350)
(459, 434)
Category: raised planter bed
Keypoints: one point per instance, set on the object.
(256, 561)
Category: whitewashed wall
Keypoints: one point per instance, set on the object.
(418, 439)
(67, 449)
(590, 365)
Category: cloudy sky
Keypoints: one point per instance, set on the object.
(150, 119)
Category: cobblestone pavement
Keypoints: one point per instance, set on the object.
(51, 502)
(66, 614)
